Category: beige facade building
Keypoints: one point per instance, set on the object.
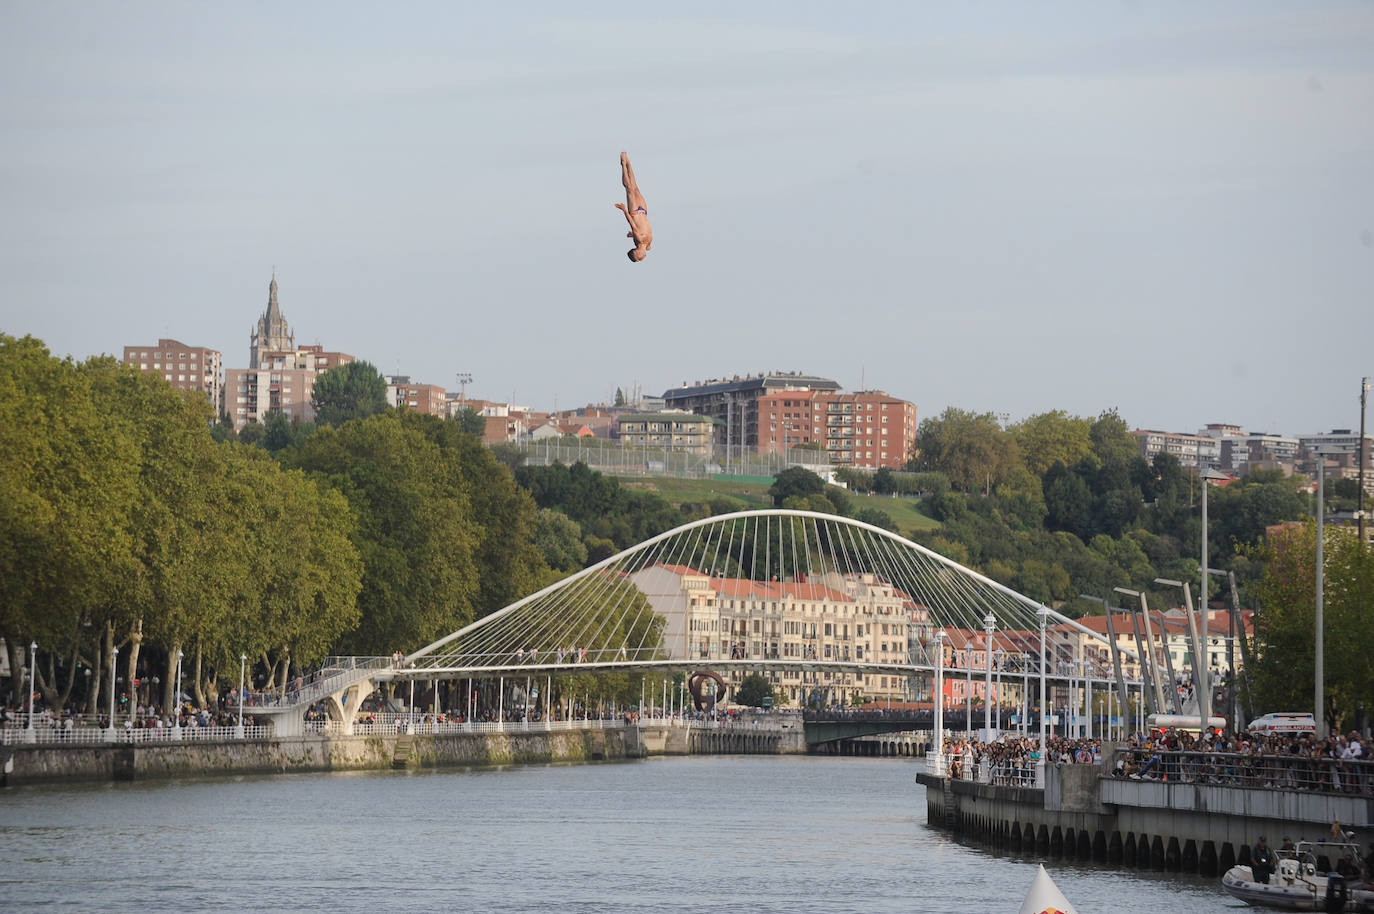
(676, 430)
(184, 367)
(251, 393)
(849, 618)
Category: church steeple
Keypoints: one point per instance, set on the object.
(273, 334)
(273, 309)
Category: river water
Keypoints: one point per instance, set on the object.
(687, 834)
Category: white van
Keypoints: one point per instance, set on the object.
(1184, 722)
(1284, 722)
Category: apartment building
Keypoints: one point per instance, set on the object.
(734, 402)
(1341, 448)
(832, 617)
(427, 399)
(772, 413)
(676, 430)
(184, 367)
(1192, 451)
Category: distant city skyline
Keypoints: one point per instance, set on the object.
(1166, 209)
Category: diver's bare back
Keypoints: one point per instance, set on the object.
(636, 212)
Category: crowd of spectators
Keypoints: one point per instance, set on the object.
(1012, 760)
(1293, 761)
(1341, 763)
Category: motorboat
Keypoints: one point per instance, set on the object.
(1297, 885)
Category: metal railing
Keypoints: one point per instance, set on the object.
(87, 736)
(1262, 772)
(335, 673)
(390, 724)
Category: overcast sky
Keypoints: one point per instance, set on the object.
(1166, 208)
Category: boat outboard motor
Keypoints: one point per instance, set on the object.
(1337, 892)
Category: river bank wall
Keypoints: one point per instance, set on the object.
(126, 762)
(1081, 814)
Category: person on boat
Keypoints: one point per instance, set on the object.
(1262, 861)
(1287, 850)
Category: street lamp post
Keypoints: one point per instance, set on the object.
(1001, 659)
(1320, 693)
(939, 703)
(243, 660)
(114, 661)
(989, 623)
(1043, 613)
(176, 700)
(30, 735)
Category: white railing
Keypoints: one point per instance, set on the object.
(390, 724)
(86, 736)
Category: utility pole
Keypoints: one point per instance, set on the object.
(1359, 512)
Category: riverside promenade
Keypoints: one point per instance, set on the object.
(1199, 813)
(90, 754)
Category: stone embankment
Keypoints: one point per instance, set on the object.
(107, 761)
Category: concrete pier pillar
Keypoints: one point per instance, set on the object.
(1157, 858)
(1099, 849)
(1128, 857)
(1056, 843)
(1207, 859)
(1115, 850)
(1227, 858)
(1085, 845)
(1187, 862)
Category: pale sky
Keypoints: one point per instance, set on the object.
(1167, 208)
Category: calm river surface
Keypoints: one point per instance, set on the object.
(701, 833)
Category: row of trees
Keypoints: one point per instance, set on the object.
(124, 525)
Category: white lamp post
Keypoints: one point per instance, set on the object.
(30, 735)
(1044, 744)
(243, 660)
(114, 661)
(1000, 661)
(939, 703)
(176, 700)
(1319, 685)
(989, 623)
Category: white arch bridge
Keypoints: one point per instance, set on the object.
(818, 603)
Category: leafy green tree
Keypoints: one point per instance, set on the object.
(223, 431)
(472, 423)
(754, 691)
(1053, 437)
(795, 481)
(509, 563)
(619, 397)
(281, 431)
(1112, 440)
(252, 433)
(877, 517)
(354, 390)
(1022, 499)
(416, 532)
(560, 540)
(857, 480)
(68, 473)
(969, 448)
(1284, 668)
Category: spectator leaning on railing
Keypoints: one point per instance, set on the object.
(1291, 761)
